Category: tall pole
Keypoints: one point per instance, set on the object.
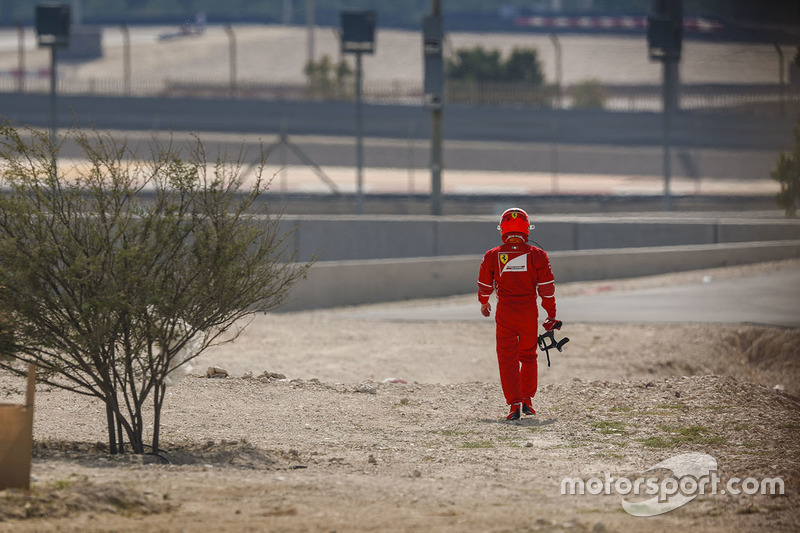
(669, 95)
(359, 139)
(664, 41)
(53, 109)
(231, 59)
(436, 142)
(20, 57)
(310, 23)
(559, 70)
(77, 12)
(126, 59)
(287, 12)
(554, 121)
(780, 77)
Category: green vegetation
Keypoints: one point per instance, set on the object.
(480, 64)
(787, 174)
(670, 406)
(328, 80)
(621, 409)
(608, 427)
(108, 290)
(471, 445)
(453, 432)
(588, 94)
(682, 435)
(657, 442)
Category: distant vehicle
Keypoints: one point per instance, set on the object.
(187, 28)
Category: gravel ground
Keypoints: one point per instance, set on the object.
(334, 447)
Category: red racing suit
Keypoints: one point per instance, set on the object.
(517, 272)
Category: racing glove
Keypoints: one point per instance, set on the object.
(551, 323)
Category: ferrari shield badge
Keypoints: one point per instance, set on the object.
(504, 258)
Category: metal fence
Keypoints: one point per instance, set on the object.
(622, 98)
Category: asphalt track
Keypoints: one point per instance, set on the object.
(481, 138)
(771, 299)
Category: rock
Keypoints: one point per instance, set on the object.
(366, 389)
(271, 375)
(395, 380)
(216, 372)
(247, 375)
(779, 387)
(371, 460)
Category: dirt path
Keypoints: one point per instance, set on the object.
(332, 447)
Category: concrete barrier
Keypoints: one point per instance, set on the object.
(343, 238)
(589, 265)
(343, 283)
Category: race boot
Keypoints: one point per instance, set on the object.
(527, 408)
(514, 413)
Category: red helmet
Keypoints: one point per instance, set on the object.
(514, 221)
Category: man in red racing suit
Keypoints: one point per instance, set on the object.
(517, 271)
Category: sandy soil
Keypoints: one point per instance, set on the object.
(334, 447)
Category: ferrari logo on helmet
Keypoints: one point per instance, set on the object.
(504, 258)
(514, 214)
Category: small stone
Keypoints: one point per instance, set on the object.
(529, 445)
(779, 387)
(372, 460)
(247, 375)
(216, 372)
(271, 375)
(677, 394)
(366, 389)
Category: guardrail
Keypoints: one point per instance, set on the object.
(345, 283)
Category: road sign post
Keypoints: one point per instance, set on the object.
(664, 39)
(358, 37)
(52, 29)
(432, 44)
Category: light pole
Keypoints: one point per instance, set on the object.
(126, 59)
(554, 122)
(664, 38)
(359, 137)
(432, 46)
(780, 77)
(21, 57)
(232, 89)
(358, 37)
(559, 72)
(310, 23)
(52, 28)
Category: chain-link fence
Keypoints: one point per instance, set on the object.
(775, 99)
